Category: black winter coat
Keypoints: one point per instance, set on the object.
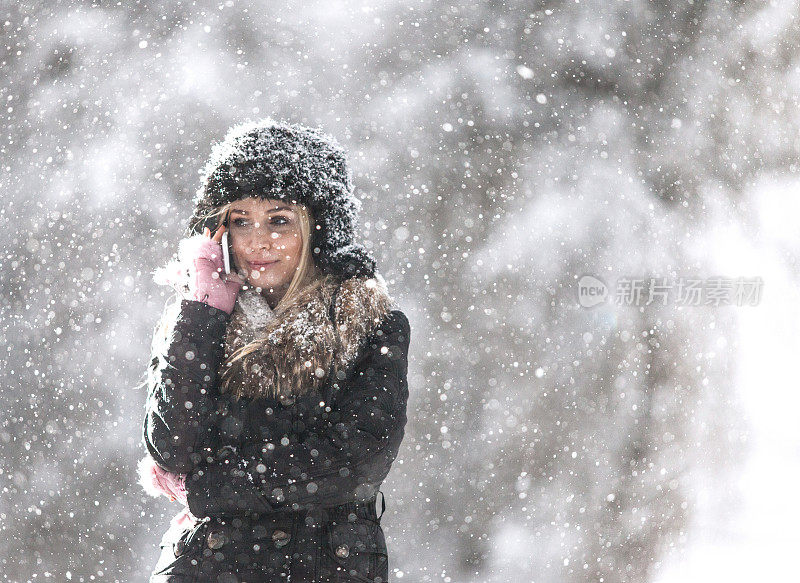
(276, 483)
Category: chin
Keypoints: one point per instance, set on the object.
(263, 284)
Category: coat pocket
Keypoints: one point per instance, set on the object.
(354, 551)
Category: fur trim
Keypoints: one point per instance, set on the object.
(301, 347)
(147, 472)
(177, 271)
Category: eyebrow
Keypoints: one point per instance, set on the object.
(272, 210)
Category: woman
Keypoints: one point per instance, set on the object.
(277, 393)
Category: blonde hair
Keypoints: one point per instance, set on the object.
(306, 274)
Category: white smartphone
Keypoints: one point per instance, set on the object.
(225, 254)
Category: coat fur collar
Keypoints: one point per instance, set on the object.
(288, 354)
(298, 349)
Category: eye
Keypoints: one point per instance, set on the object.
(278, 220)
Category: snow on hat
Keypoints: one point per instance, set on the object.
(280, 160)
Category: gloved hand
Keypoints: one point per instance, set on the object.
(208, 282)
(157, 481)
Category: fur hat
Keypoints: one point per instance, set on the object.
(271, 159)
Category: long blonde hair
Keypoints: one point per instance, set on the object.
(307, 274)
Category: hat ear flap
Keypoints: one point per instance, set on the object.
(198, 224)
(351, 261)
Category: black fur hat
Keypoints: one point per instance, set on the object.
(280, 160)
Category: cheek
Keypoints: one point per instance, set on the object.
(237, 249)
(294, 246)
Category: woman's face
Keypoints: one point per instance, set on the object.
(266, 241)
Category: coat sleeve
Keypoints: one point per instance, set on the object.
(343, 456)
(181, 405)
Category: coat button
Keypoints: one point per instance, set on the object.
(215, 539)
(279, 535)
(280, 538)
(342, 551)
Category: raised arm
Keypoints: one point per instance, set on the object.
(342, 457)
(182, 400)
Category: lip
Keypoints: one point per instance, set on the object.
(258, 264)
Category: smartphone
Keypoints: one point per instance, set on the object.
(225, 251)
(225, 254)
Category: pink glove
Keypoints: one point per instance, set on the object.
(209, 282)
(157, 481)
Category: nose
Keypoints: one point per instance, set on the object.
(259, 239)
(260, 242)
